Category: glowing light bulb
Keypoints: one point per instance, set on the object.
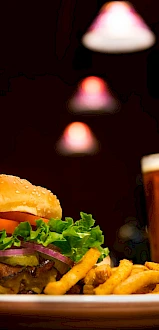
(92, 85)
(118, 28)
(120, 19)
(77, 134)
(93, 95)
(77, 138)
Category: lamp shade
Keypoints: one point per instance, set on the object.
(92, 96)
(118, 28)
(77, 138)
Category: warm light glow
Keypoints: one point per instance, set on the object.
(118, 28)
(120, 19)
(77, 134)
(93, 85)
(93, 95)
(77, 138)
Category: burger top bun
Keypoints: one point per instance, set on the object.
(20, 195)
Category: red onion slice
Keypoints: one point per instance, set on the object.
(16, 252)
(45, 250)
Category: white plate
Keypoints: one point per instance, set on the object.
(79, 312)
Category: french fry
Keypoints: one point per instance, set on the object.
(113, 270)
(137, 269)
(74, 275)
(152, 265)
(156, 290)
(136, 282)
(90, 277)
(123, 271)
(102, 272)
(4, 290)
(97, 275)
(146, 289)
(140, 267)
(88, 289)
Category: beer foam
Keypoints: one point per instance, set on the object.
(150, 163)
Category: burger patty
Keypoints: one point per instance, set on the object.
(19, 280)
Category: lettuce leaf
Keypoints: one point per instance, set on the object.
(73, 238)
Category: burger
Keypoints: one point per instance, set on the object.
(36, 245)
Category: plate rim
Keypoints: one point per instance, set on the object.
(110, 299)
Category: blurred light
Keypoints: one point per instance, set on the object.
(127, 231)
(118, 28)
(77, 138)
(92, 96)
(92, 85)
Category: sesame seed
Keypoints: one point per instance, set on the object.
(17, 192)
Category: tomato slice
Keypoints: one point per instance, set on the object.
(8, 225)
(21, 217)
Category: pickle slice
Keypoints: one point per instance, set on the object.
(27, 260)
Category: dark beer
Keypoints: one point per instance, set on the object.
(150, 171)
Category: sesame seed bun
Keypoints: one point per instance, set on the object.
(20, 195)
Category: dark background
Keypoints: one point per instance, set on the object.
(41, 62)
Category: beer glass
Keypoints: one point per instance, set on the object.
(150, 173)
